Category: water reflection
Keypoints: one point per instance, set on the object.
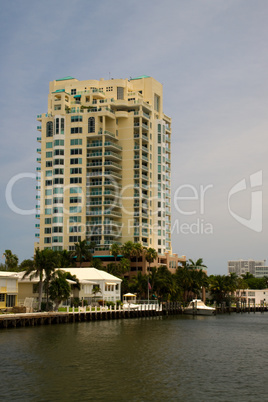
(175, 358)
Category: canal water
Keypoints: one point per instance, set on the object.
(222, 358)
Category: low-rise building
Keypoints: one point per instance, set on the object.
(90, 279)
(171, 261)
(254, 297)
(8, 289)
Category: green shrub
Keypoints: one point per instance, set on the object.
(44, 306)
(75, 302)
(109, 303)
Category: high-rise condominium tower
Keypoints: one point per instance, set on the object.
(104, 171)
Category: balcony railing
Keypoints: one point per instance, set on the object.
(94, 154)
(94, 144)
(113, 154)
(112, 144)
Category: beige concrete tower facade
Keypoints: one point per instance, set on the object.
(104, 165)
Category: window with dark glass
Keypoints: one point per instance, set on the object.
(57, 126)
(76, 151)
(62, 126)
(75, 180)
(76, 130)
(91, 125)
(49, 129)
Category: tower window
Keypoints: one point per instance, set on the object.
(120, 92)
(62, 126)
(49, 129)
(91, 125)
(156, 102)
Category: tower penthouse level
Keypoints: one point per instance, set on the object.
(104, 164)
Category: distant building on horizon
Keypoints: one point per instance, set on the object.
(254, 267)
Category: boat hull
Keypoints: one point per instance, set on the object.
(194, 311)
(198, 307)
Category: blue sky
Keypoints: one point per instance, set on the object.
(211, 57)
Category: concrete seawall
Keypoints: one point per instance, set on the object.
(49, 318)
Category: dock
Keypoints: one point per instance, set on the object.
(49, 318)
(163, 309)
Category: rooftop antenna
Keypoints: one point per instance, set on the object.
(109, 75)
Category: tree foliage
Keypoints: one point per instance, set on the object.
(43, 267)
(82, 251)
(11, 261)
(150, 255)
(115, 251)
(59, 288)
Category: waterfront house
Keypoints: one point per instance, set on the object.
(8, 289)
(28, 289)
(256, 297)
(94, 285)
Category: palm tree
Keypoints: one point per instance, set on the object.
(218, 288)
(59, 288)
(65, 259)
(200, 281)
(138, 284)
(197, 265)
(150, 255)
(138, 250)
(82, 251)
(68, 275)
(115, 250)
(25, 264)
(49, 274)
(184, 281)
(128, 251)
(11, 261)
(95, 290)
(165, 283)
(44, 263)
(124, 266)
(153, 277)
(233, 281)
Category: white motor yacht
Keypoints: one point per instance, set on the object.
(198, 307)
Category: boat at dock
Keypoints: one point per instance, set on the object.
(198, 307)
